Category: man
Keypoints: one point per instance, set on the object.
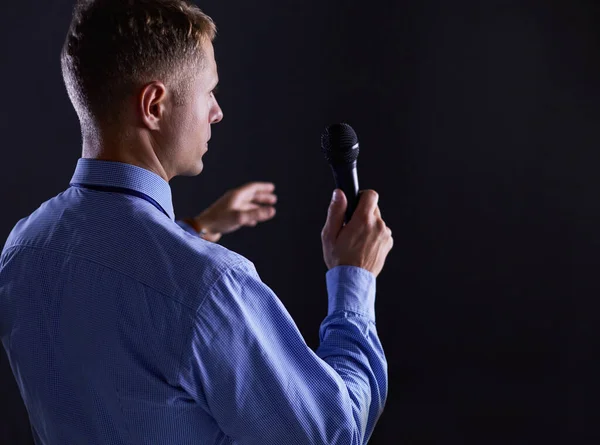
(123, 326)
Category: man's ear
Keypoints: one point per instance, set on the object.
(152, 104)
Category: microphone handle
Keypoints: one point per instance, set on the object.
(346, 178)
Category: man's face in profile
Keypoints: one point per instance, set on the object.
(191, 122)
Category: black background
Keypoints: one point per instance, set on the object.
(478, 124)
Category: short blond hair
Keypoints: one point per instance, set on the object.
(115, 46)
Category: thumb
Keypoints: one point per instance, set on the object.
(335, 215)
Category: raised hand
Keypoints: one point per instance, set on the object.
(246, 205)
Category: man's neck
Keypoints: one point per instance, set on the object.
(128, 153)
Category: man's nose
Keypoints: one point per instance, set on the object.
(217, 115)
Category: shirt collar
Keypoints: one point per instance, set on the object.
(119, 174)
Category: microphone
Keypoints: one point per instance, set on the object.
(339, 144)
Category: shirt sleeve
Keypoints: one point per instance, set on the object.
(185, 226)
(248, 365)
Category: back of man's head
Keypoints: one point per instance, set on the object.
(114, 47)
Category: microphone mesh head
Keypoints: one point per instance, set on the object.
(339, 144)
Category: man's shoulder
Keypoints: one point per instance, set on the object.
(213, 256)
(204, 263)
(34, 227)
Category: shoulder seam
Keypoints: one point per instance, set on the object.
(188, 336)
(108, 267)
(222, 272)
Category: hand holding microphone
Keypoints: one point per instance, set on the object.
(365, 240)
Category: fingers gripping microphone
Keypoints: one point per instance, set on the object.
(340, 146)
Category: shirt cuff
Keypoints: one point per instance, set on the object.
(185, 226)
(351, 289)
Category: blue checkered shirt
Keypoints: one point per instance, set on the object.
(122, 327)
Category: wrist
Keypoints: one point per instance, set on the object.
(351, 289)
(198, 227)
(202, 228)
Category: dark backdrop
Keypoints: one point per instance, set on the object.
(479, 127)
